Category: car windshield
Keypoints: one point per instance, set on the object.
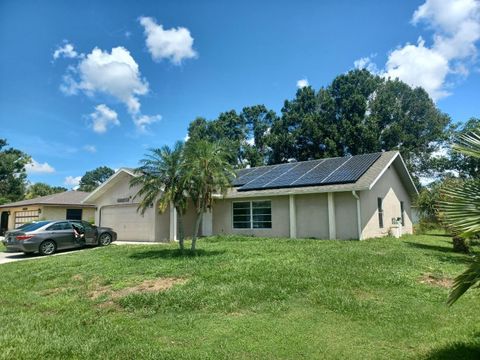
(33, 226)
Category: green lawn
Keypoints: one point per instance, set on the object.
(242, 298)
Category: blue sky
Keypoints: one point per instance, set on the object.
(159, 64)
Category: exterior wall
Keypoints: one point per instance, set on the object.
(60, 212)
(223, 219)
(345, 215)
(390, 188)
(189, 220)
(312, 216)
(13, 210)
(154, 226)
(47, 213)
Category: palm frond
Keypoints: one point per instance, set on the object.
(464, 281)
(459, 207)
(468, 144)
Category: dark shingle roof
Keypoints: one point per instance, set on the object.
(64, 198)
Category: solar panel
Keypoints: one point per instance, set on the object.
(308, 173)
(240, 173)
(286, 179)
(261, 181)
(352, 169)
(252, 175)
(318, 174)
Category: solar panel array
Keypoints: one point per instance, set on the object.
(343, 170)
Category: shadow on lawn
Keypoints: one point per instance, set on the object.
(457, 259)
(456, 351)
(174, 253)
(431, 247)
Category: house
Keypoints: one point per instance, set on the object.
(354, 197)
(65, 205)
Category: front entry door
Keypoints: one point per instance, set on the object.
(4, 222)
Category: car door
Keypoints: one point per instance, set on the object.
(62, 233)
(89, 231)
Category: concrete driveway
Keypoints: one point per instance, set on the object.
(6, 257)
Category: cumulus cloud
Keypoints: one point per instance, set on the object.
(366, 63)
(90, 148)
(115, 74)
(175, 44)
(142, 121)
(456, 31)
(302, 83)
(66, 51)
(102, 118)
(34, 167)
(72, 181)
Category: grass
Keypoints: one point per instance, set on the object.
(243, 298)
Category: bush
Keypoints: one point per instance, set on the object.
(461, 244)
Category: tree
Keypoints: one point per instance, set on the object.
(161, 177)
(42, 189)
(94, 178)
(460, 209)
(12, 173)
(208, 172)
(454, 162)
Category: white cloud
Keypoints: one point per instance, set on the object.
(302, 83)
(186, 138)
(366, 63)
(115, 74)
(90, 148)
(66, 51)
(456, 30)
(142, 121)
(35, 167)
(72, 181)
(175, 44)
(102, 118)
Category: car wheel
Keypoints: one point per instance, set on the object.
(48, 247)
(105, 239)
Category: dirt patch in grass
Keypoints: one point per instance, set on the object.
(436, 280)
(154, 285)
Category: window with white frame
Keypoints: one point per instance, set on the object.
(252, 214)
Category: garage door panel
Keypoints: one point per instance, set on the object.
(128, 223)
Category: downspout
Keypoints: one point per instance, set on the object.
(359, 215)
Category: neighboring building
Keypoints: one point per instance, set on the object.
(355, 197)
(65, 205)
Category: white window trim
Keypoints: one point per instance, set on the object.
(251, 215)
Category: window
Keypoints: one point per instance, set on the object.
(74, 214)
(380, 212)
(252, 215)
(402, 213)
(60, 226)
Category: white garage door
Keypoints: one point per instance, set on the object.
(128, 223)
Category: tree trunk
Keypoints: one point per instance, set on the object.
(198, 221)
(461, 245)
(181, 231)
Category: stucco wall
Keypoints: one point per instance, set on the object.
(60, 212)
(345, 215)
(312, 216)
(11, 217)
(391, 189)
(223, 220)
(152, 226)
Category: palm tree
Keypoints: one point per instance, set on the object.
(208, 172)
(161, 176)
(460, 209)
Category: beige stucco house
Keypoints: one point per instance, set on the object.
(65, 205)
(376, 203)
